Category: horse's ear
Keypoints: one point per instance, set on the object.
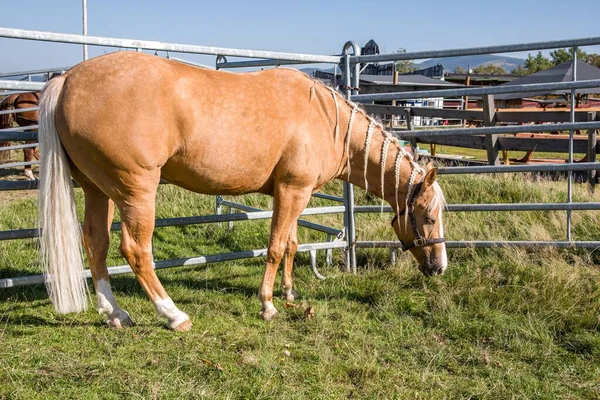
(429, 166)
(430, 176)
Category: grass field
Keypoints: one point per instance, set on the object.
(501, 323)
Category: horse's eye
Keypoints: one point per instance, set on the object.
(430, 220)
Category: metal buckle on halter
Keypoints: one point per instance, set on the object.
(420, 242)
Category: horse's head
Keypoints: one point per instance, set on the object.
(420, 227)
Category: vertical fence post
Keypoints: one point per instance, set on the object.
(84, 15)
(409, 125)
(489, 119)
(329, 252)
(571, 133)
(218, 205)
(592, 150)
(351, 80)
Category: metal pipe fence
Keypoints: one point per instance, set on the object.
(351, 59)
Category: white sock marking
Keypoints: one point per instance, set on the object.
(166, 308)
(107, 304)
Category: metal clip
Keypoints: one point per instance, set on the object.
(420, 242)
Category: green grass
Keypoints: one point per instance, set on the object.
(501, 323)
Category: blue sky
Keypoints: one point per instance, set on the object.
(308, 26)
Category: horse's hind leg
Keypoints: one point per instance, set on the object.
(137, 220)
(28, 154)
(99, 211)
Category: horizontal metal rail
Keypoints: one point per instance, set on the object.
(11, 92)
(495, 130)
(19, 129)
(496, 169)
(257, 63)
(471, 51)
(21, 85)
(18, 185)
(18, 164)
(181, 262)
(486, 244)
(497, 207)
(33, 72)
(19, 147)
(328, 197)
(305, 224)
(188, 62)
(197, 220)
(18, 136)
(20, 110)
(33, 233)
(154, 45)
(501, 89)
(191, 261)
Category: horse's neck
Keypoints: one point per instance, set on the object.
(376, 161)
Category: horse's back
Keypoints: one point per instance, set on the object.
(208, 131)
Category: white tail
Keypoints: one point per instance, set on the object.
(60, 234)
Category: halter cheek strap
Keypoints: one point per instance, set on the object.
(419, 241)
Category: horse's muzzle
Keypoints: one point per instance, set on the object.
(431, 269)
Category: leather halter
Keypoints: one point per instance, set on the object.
(419, 241)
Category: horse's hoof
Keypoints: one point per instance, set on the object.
(269, 314)
(121, 321)
(29, 175)
(290, 296)
(182, 327)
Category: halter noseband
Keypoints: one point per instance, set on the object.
(419, 241)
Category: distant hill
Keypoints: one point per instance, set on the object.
(450, 63)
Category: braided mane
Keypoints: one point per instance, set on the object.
(388, 139)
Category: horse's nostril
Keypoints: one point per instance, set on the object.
(439, 271)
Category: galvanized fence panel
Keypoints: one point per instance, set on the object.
(352, 63)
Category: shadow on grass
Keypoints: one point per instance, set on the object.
(224, 284)
(24, 293)
(11, 272)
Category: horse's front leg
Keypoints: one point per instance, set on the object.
(287, 281)
(288, 205)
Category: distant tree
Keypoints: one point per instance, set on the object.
(489, 69)
(560, 56)
(594, 59)
(460, 70)
(519, 71)
(537, 63)
(404, 66)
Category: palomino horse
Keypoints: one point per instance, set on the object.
(26, 118)
(121, 122)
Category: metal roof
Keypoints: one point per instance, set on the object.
(560, 73)
(407, 80)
